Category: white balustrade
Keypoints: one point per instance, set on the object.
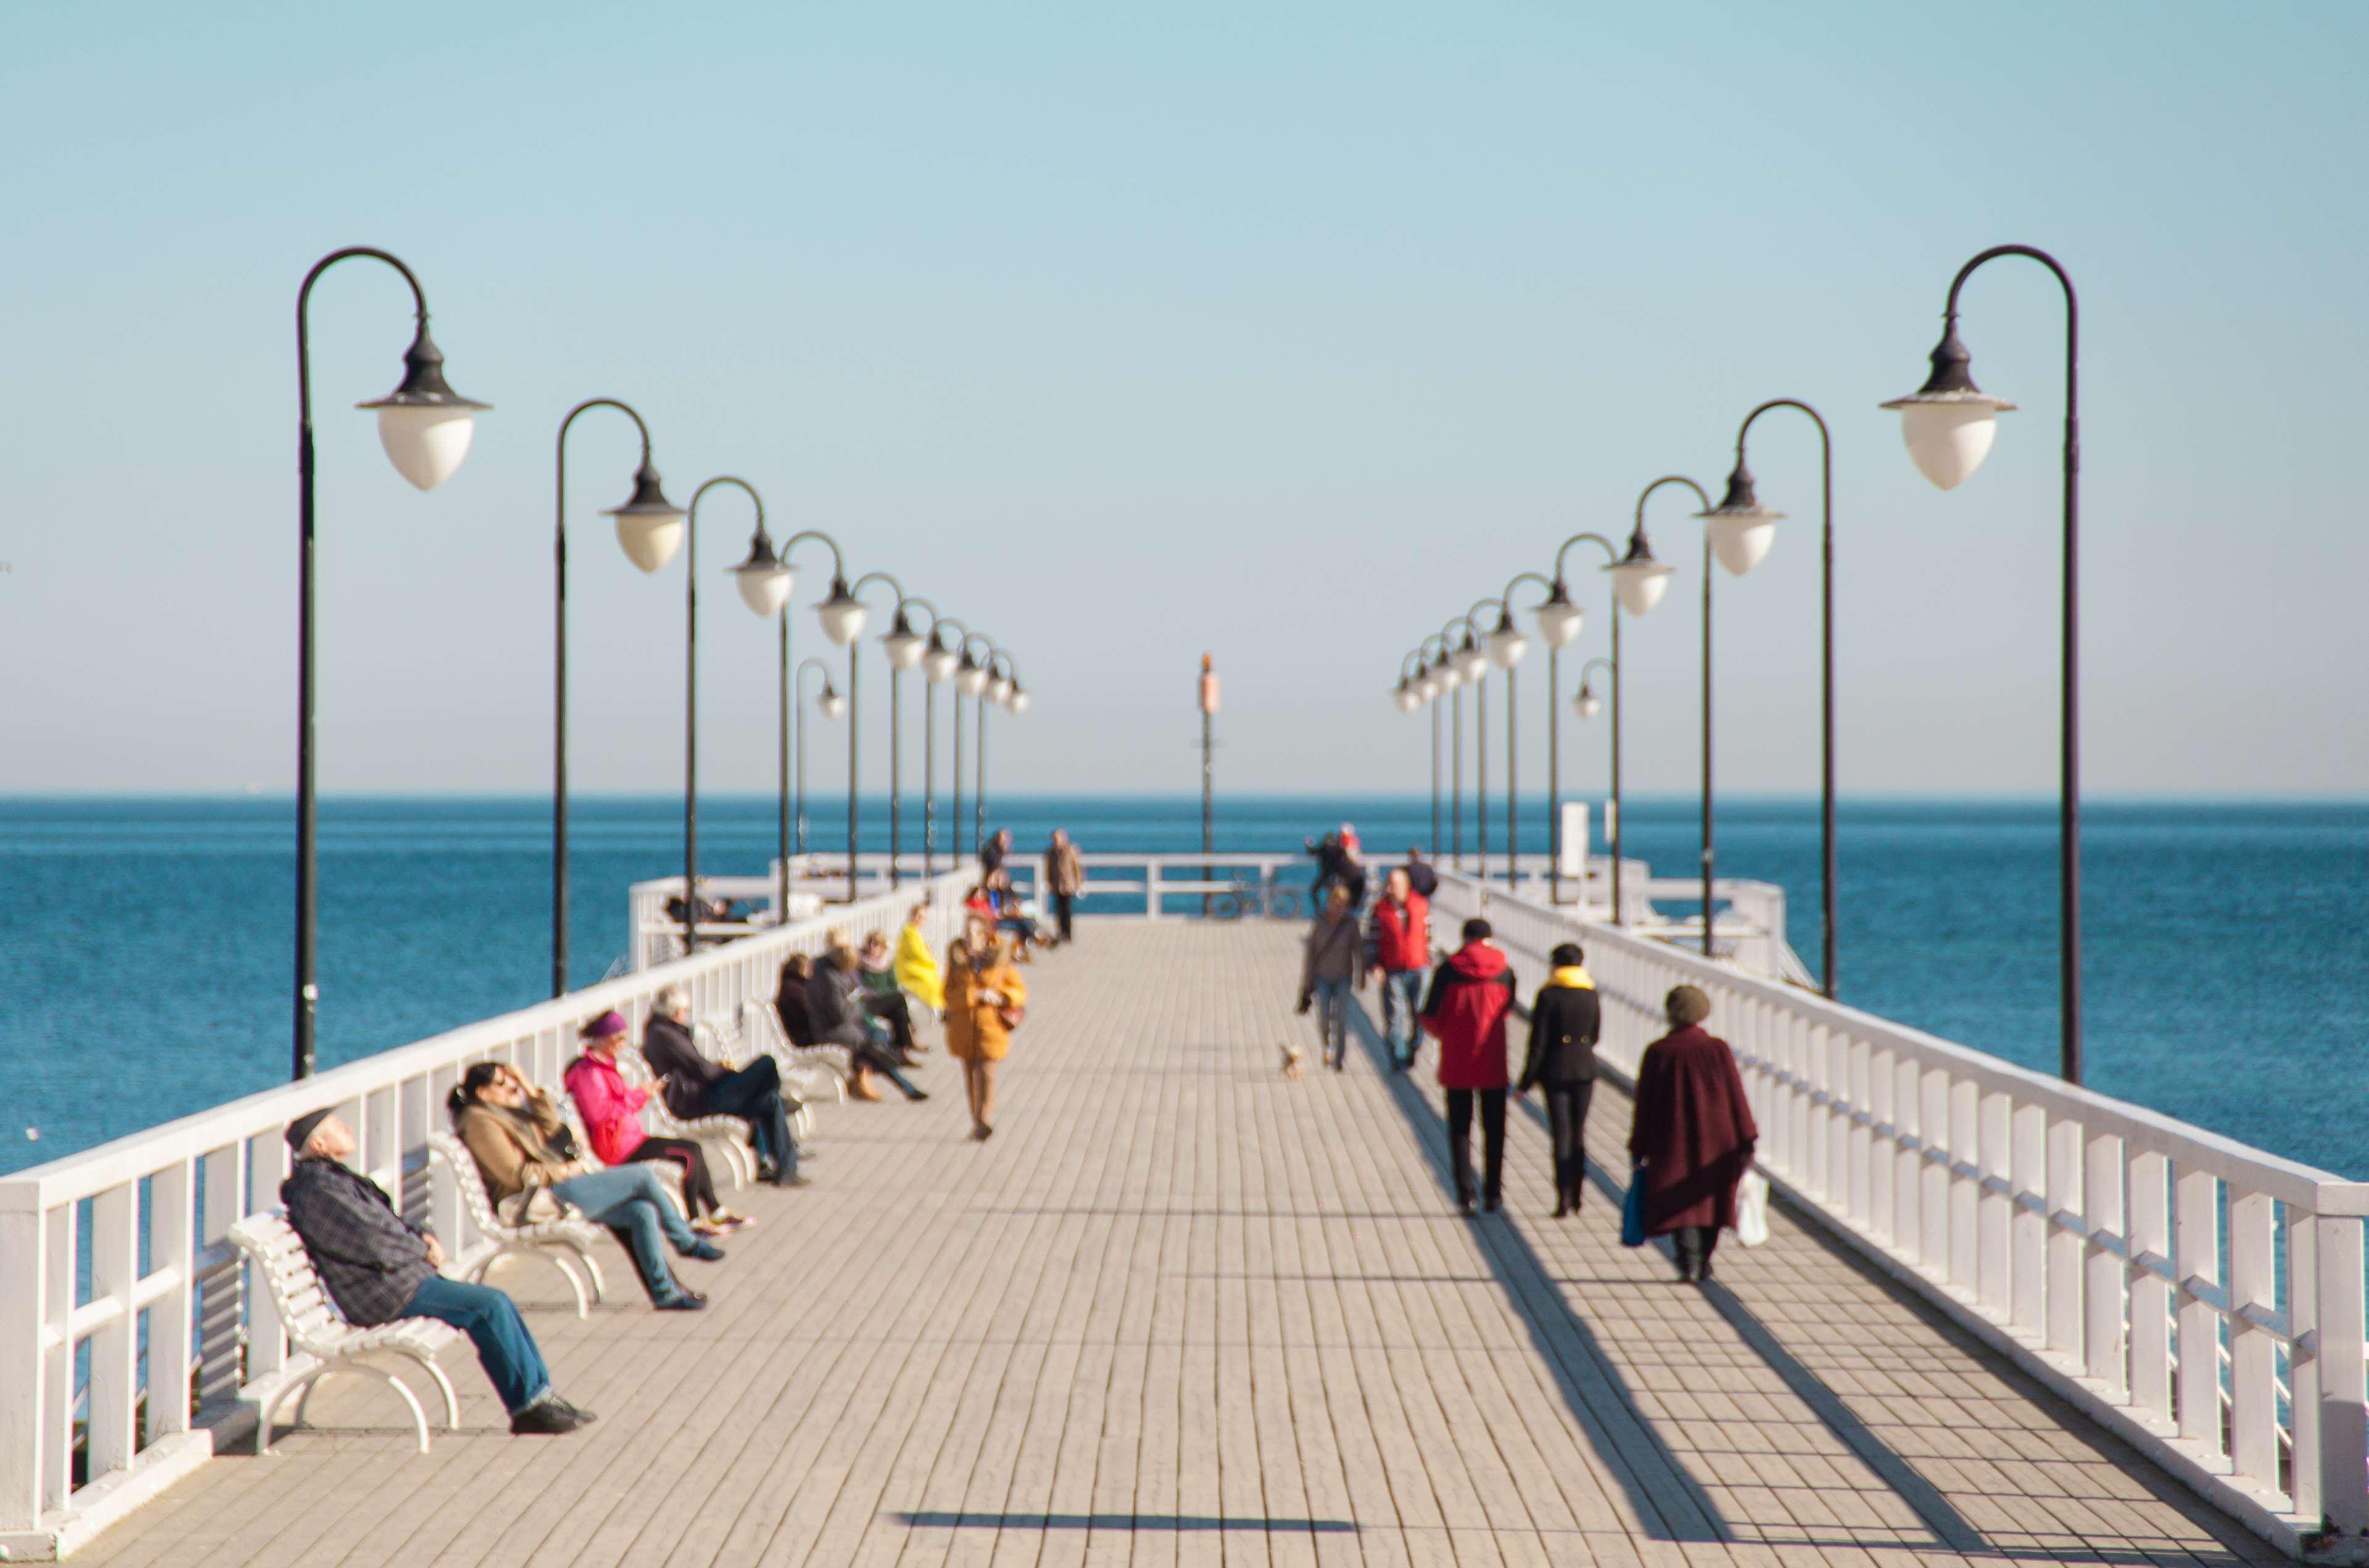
(2080, 1235)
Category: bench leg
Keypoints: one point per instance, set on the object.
(443, 1386)
(591, 1268)
(558, 1260)
(302, 1390)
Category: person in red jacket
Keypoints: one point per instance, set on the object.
(1471, 995)
(1397, 950)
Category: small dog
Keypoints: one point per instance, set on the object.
(1290, 1060)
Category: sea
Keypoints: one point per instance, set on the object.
(146, 943)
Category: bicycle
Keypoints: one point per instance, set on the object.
(1249, 895)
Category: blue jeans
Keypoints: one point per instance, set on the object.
(754, 1094)
(629, 1198)
(505, 1349)
(1401, 1000)
(1333, 1019)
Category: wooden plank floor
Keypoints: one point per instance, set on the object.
(1180, 1312)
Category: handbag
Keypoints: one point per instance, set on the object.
(1632, 1210)
(1011, 1016)
(1752, 1208)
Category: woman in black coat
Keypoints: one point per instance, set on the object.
(1564, 1021)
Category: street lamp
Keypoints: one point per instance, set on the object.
(1506, 646)
(984, 683)
(1637, 544)
(832, 704)
(766, 580)
(1587, 703)
(1415, 689)
(1638, 582)
(1450, 670)
(931, 656)
(1742, 530)
(969, 681)
(945, 663)
(647, 513)
(904, 649)
(425, 428)
(1949, 423)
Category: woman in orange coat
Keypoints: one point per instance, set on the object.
(985, 998)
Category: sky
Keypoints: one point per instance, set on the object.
(1122, 334)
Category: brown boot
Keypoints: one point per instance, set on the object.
(863, 1088)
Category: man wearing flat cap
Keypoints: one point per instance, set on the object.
(378, 1266)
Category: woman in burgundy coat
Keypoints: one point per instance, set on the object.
(1693, 1133)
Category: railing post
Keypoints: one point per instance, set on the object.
(172, 1233)
(114, 1346)
(2196, 1263)
(2253, 1350)
(1994, 1264)
(2066, 1245)
(267, 1347)
(1858, 1141)
(2102, 1220)
(2027, 1231)
(221, 1323)
(61, 1231)
(1933, 1216)
(1965, 1186)
(2150, 1238)
(1152, 888)
(23, 1365)
(2334, 1285)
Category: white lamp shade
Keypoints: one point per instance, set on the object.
(1559, 621)
(832, 704)
(1587, 704)
(938, 663)
(1506, 646)
(1019, 703)
(1428, 687)
(1473, 664)
(650, 539)
(1447, 675)
(1406, 697)
(765, 589)
(1639, 585)
(425, 442)
(842, 619)
(970, 680)
(1949, 435)
(1740, 539)
(999, 688)
(904, 648)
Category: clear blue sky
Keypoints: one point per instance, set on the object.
(1125, 333)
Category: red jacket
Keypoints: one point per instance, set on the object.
(1471, 995)
(1402, 933)
(611, 1107)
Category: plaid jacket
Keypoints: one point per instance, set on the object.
(370, 1258)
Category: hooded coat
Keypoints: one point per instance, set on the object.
(1465, 1011)
(1693, 1130)
(917, 969)
(976, 1028)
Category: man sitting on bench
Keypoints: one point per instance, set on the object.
(378, 1266)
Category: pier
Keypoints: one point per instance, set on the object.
(1185, 1310)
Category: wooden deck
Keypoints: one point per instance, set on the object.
(1183, 1312)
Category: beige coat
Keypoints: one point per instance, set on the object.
(512, 1150)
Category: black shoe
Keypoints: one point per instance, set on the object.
(767, 1170)
(1563, 1209)
(1464, 1206)
(548, 1418)
(705, 1251)
(792, 1180)
(585, 1416)
(682, 1301)
(1492, 1203)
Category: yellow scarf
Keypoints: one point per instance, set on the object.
(1573, 976)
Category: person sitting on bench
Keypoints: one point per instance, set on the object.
(378, 1266)
(696, 1087)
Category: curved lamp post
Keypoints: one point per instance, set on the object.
(1949, 423)
(1450, 670)
(904, 649)
(1429, 683)
(425, 428)
(1408, 696)
(970, 680)
(936, 661)
(832, 704)
(1741, 530)
(1474, 659)
(988, 686)
(647, 521)
(1637, 541)
(1507, 645)
(766, 580)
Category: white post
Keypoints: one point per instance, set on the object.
(220, 1330)
(22, 1364)
(2253, 1391)
(172, 1232)
(1152, 888)
(2150, 1236)
(2196, 1262)
(1933, 1208)
(267, 1349)
(1860, 1142)
(2064, 1246)
(2343, 1426)
(2103, 1216)
(1965, 1185)
(1993, 1267)
(114, 1346)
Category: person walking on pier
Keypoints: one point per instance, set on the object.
(1398, 951)
(993, 854)
(1564, 1020)
(378, 1266)
(611, 1109)
(1693, 1134)
(1065, 878)
(508, 1129)
(1329, 971)
(1471, 995)
(696, 1087)
(985, 1001)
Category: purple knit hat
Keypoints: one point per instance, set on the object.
(608, 1026)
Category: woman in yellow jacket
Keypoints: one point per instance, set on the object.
(915, 966)
(985, 998)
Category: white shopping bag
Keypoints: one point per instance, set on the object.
(1752, 1208)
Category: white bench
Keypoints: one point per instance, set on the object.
(728, 1134)
(316, 1329)
(565, 1243)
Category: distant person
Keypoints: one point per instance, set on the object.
(611, 1110)
(883, 998)
(378, 1266)
(1693, 1134)
(1565, 1018)
(1008, 915)
(1337, 863)
(916, 967)
(696, 1087)
(1470, 994)
(508, 1128)
(790, 1000)
(1328, 971)
(986, 999)
(1419, 874)
(1398, 953)
(993, 854)
(839, 1019)
(1065, 878)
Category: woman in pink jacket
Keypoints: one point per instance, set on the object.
(611, 1109)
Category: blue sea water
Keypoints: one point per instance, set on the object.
(145, 944)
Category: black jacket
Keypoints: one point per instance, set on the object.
(1564, 1025)
(1421, 877)
(1334, 953)
(831, 1008)
(667, 1046)
(369, 1258)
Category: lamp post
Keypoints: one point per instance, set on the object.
(1742, 530)
(984, 686)
(1428, 681)
(647, 522)
(1507, 645)
(766, 580)
(1637, 540)
(1947, 424)
(970, 680)
(1408, 695)
(832, 704)
(1472, 661)
(1450, 670)
(854, 594)
(425, 428)
(936, 661)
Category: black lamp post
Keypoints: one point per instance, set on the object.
(832, 704)
(900, 640)
(649, 527)
(1473, 658)
(1637, 544)
(1507, 645)
(1452, 662)
(425, 428)
(1947, 424)
(1428, 675)
(766, 580)
(1741, 529)
(970, 680)
(936, 661)
(1408, 695)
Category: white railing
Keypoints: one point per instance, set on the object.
(147, 1216)
(2109, 1251)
